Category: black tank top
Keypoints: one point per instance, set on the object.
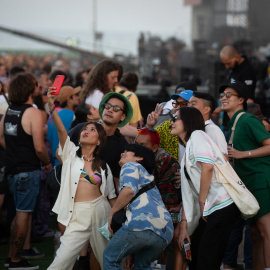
(20, 152)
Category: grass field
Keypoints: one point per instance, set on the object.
(46, 246)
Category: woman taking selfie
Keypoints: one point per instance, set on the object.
(208, 212)
(82, 204)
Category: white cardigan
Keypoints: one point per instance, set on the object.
(71, 170)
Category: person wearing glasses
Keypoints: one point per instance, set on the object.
(251, 154)
(208, 212)
(167, 141)
(86, 193)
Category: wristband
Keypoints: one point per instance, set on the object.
(249, 154)
(51, 116)
(183, 220)
(202, 204)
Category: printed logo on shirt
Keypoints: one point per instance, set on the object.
(12, 112)
(192, 158)
(11, 129)
(248, 82)
(232, 80)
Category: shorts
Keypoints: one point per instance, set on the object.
(263, 197)
(24, 187)
(3, 182)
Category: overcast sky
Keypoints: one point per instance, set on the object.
(168, 17)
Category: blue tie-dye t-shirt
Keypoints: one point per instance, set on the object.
(148, 211)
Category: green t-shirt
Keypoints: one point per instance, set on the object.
(248, 135)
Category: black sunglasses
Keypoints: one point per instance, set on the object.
(175, 104)
(174, 118)
(228, 95)
(116, 108)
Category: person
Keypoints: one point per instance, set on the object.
(115, 111)
(100, 81)
(85, 113)
(148, 229)
(167, 109)
(167, 141)
(255, 109)
(166, 175)
(208, 212)
(239, 70)
(251, 157)
(68, 98)
(82, 204)
(127, 86)
(206, 104)
(22, 136)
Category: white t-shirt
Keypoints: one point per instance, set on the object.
(200, 148)
(215, 133)
(94, 98)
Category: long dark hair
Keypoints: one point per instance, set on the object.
(97, 78)
(96, 164)
(192, 120)
(81, 113)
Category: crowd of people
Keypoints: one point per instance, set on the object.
(91, 144)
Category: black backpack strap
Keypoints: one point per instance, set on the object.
(142, 190)
(122, 92)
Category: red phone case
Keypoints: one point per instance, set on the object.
(59, 79)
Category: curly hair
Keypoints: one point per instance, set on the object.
(97, 78)
(20, 87)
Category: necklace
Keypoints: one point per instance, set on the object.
(89, 160)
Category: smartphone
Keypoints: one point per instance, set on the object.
(186, 251)
(59, 79)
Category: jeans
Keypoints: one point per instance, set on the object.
(230, 257)
(24, 187)
(145, 245)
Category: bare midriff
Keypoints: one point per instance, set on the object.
(87, 192)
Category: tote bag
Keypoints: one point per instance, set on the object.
(242, 197)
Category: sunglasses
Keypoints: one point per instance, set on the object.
(181, 104)
(174, 118)
(116, 108)
(228, 95)
(151, 130)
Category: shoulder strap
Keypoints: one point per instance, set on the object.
(142, 190)
(122, 92)
(233, 128)
(6, 99)
(104, 167)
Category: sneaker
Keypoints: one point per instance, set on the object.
(32, 253)
(7, 262)
(22, 265)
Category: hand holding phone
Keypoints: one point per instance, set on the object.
(59, 79)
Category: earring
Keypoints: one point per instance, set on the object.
(79, 143)
(97, 144)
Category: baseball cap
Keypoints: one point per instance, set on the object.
(129, 112)
(238, 86)
(186, 95)
(66, 92)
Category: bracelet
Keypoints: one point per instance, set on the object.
(249, 154)
(183, 220)
(202, 203)
(51, 116)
